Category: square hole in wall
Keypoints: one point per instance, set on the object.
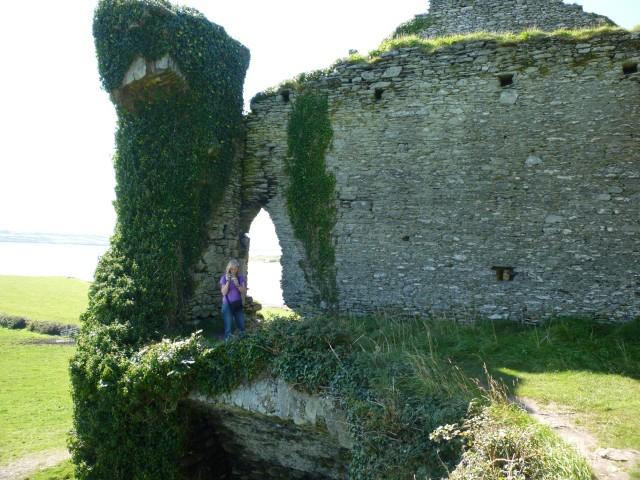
(630, 68)
(505, 79)
(284, 94)
(377, 93)
(504, 274)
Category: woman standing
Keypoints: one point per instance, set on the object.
(233, 287)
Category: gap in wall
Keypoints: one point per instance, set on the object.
(264, 268)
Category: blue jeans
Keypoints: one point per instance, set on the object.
(228, 316)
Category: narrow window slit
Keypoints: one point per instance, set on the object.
(285, 96)
(505, 79)
(630, 68)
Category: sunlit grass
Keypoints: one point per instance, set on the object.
(62, 471)
(35, 400)
(506, 443)
(55, 299)
(606, 404)
(269, 313)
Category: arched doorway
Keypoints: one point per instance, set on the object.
(264, 267)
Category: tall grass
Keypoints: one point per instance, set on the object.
(503, 38)
(503, 442)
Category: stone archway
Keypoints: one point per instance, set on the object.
(264, 270)
(257, 182)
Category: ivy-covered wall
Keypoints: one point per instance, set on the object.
(175, 148)
(311, 197)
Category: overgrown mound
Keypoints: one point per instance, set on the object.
(174, 151)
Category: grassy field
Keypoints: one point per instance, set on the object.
(35, 402)
(57, 299)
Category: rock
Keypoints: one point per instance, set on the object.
(392, 72)
(376, 85)
(278, 427)
(532, 161)
(553, 219)
(509, 97)
(617, 455)
(137, 70)
(368, 76)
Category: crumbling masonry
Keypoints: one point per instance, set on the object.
(500, 179)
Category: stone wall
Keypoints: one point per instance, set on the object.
(226, 240)
(270, 430)
(448, 17)
(446, 170)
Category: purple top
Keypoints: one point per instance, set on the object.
(233, 294)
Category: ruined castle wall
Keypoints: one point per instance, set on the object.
(448, 17)
(264, 185)
(224, 241)
(449, 174)
(256, 182)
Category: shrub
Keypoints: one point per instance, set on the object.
(39, 326)
(13, 322)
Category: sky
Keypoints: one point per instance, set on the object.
(57, 131)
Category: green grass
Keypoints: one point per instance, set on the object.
(62, 471)
(505, 442)
(604, 403)
(430, 45)
(590, 369)
(35, 401)
(56, 299)
(272, 312)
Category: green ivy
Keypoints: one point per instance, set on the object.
(174, 152)
(311, 195)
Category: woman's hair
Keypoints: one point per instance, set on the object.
(232, 263)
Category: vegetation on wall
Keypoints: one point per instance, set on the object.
(415, 26)
(415, 41)
(506, 38)
(174, 151)
(311, 198)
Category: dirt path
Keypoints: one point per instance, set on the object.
(607, 463)
(29, 464)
